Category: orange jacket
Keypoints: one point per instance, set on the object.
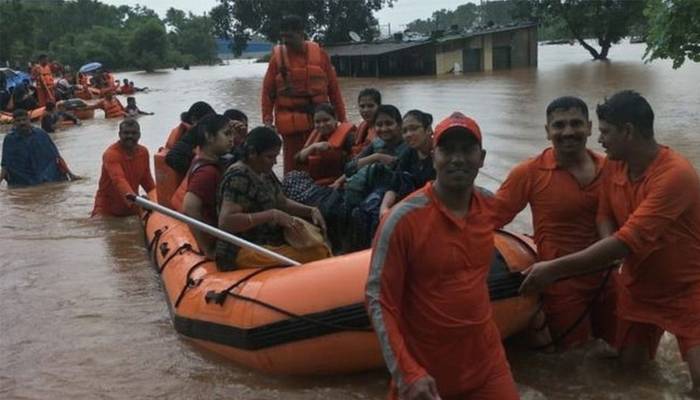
(176, 134)
(330, 163)
(658, 216)
(432, 308)
(112, 109)
(365, 135)
(297, 81)
(122, 173)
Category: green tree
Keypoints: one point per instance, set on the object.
(148, 45)
(327, 20)
(606, 21)
(674, 30)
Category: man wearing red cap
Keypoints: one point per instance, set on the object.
(431, 309)
(562, 186)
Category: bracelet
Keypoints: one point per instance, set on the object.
(250, 220)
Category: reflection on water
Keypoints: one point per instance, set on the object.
(82, 312)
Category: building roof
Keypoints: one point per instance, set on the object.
(486, 32)
(374, 49)
(370, 49)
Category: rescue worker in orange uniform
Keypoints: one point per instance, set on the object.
(112, 107)
(125, 167)
(650, 209)
(328, 147)
(562, 186)
(427, 293)
(43, 77)
(299, 77)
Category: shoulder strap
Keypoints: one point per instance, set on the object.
(338, 137)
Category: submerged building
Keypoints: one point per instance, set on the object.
(484, 50)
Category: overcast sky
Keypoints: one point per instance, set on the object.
(404, 11)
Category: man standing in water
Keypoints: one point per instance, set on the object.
(431, 309)
(29, 156)
(562, 187)
(125, 167)
(299, 77)
(650, 210)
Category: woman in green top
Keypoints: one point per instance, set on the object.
(252, 205)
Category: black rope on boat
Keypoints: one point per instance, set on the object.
(220, 298)
(179, 251)
(300, 317)
(581, 317)
(189, 282)
(146, 215)
(154, 243)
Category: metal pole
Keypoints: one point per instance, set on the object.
(218, 233)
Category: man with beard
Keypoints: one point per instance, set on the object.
(30, 157)
(431, 309)
(562, 187)
(125, 167)
(650, 210)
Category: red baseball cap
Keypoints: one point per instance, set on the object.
(457, 120)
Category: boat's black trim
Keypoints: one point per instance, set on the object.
(277, 333)
(503, 284)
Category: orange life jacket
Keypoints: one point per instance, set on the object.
(44, 74)
(298, 89)
(365, 135)
(112, 109)
(327, 166)
(176, 134)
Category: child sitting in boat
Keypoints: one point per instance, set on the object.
(132, 110)
(368, 101)
(328, 147)
(251, 205)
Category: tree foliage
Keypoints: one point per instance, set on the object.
(327, 20)
(606, 21)
(464, 16)
(674, 30)
(81, 31)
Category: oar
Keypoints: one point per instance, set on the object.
(218, 233)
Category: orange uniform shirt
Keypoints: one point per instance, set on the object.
(296, 59)
(176, 134)
(112, 109)
(428, 297)
(564, 220)
(658, 216)
(122, 174)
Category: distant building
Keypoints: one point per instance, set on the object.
(255, 48)
(484, 50)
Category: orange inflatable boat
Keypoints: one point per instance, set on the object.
(300, 320)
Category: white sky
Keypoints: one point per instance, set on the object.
(403, 12)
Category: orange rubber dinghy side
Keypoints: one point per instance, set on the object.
(167, 179)
(233, 313)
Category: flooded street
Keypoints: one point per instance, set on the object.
(82, 314)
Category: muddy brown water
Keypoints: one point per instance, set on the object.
(82, 314)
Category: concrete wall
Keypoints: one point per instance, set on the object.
(520, 49)
(487, 52)
(445, 61)
(532, 32)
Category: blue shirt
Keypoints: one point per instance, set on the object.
(30, 159)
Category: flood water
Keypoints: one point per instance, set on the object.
(82, 314)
